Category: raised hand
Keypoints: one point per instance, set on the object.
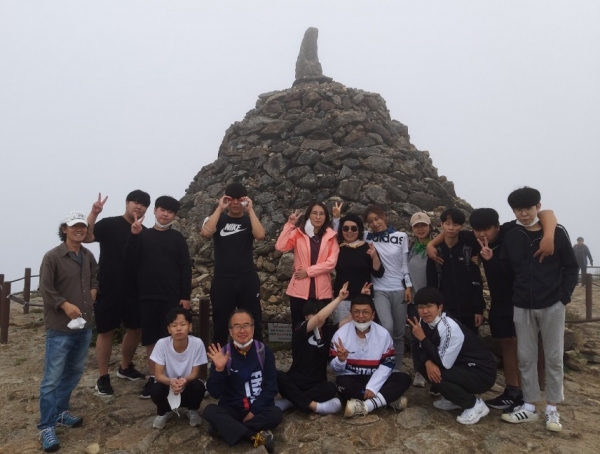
(294, 217)
(136, 227)
(99, 205)
(337, 210)
(366, 288)
(371, 251)
(224, 202)
(247, 203)
(417, 330)
(343, 295)
(486, 253)
(342, 353)
(215, 354)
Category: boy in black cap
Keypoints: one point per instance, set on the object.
(164, 274)
(452, 358)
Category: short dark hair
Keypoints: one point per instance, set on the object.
(139, 196)
(321, 231)
(62, 235)
(484, 218)
(352, 218)
(236, 190)
(168, 203)
(524, 197)
(312, 307)
(362, 300)
(173, 313)
(240, 311)
(428, 295)
(375, 209)
(579, 238)
(457, 216)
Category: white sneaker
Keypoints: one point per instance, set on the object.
(355, 407)
(194, 417)
(419, 381)
(553, 421)
(473, 415)
(444, 404)
(519, 415)
(283, 404)
(160, 421)
(399, 404)
(329, 407)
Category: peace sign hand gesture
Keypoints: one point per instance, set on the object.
(136, 227)
(416, 327)
(337, 210)
(98, 205)
(486, 253)
(372, 251)
(224, 202)
(366, 288)
(343, 295)
(294, 217)
(219, 360)
(342, 353)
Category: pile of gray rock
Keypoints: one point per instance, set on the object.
(316, 140)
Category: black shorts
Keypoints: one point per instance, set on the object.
(154, 319)
(111, 310)
(502, 326)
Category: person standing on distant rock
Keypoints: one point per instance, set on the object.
(164, 273)
(235, 283)
(68, 287)
(316, 252)
(582, 254)
(393, 291)
(118, 299)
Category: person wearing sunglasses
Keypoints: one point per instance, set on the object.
(357, 261)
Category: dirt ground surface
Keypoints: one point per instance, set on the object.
(123, 423)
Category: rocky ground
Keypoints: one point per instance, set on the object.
(123, 423)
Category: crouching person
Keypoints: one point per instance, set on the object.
(244, 379)
(68, 286)
(452, 358)
(363, 361)
(178, 359)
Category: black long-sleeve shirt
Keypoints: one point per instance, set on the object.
(354, 266)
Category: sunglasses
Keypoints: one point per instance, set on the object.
(350, 228)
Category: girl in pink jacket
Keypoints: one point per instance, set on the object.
(315, 256)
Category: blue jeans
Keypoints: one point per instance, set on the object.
(64, 365)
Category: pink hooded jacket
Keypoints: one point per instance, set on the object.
(293, 238)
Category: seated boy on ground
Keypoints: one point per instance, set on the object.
(177, 361)
(452, 358)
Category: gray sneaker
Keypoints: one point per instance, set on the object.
(355, 407)
(194, 417)
(160, 421)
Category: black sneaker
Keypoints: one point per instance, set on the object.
(145, 394)
(131, 373)
(505, 401)
(103, 387)
(264, 438)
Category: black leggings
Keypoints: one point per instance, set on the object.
(301, 396)
(353, 386)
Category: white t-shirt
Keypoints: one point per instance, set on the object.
(179, 364)
(393, 253)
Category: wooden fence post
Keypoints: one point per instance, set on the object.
(204, 317)
(4, 312)
(588, 296)
(26, 290)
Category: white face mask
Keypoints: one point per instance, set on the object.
(238, 345)
(173, 399)
(309, 229)
(163, 226)
(435, 321)
(76, 323)
(534, 222)
(362, 327)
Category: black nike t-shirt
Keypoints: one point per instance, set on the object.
(310, 354)
(115, 276)
(233, 243)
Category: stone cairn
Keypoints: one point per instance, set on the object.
(317, 140)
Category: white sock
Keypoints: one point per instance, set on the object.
(530, 407)
(328, 407)
(283, 404)
(550, 408)
(376, 402)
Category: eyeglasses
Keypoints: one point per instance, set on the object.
(350, 228)
(245, 327)
(317, 214)
(364, 312)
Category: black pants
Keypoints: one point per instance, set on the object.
(353, 386)
(228, 421)
(467, 321)
(191, 396)
(296, 306)
(583, 271)
(300, 395)
(229, 293)
(460, 383)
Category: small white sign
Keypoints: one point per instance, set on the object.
(280, 332)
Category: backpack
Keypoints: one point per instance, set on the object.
(260, 353)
